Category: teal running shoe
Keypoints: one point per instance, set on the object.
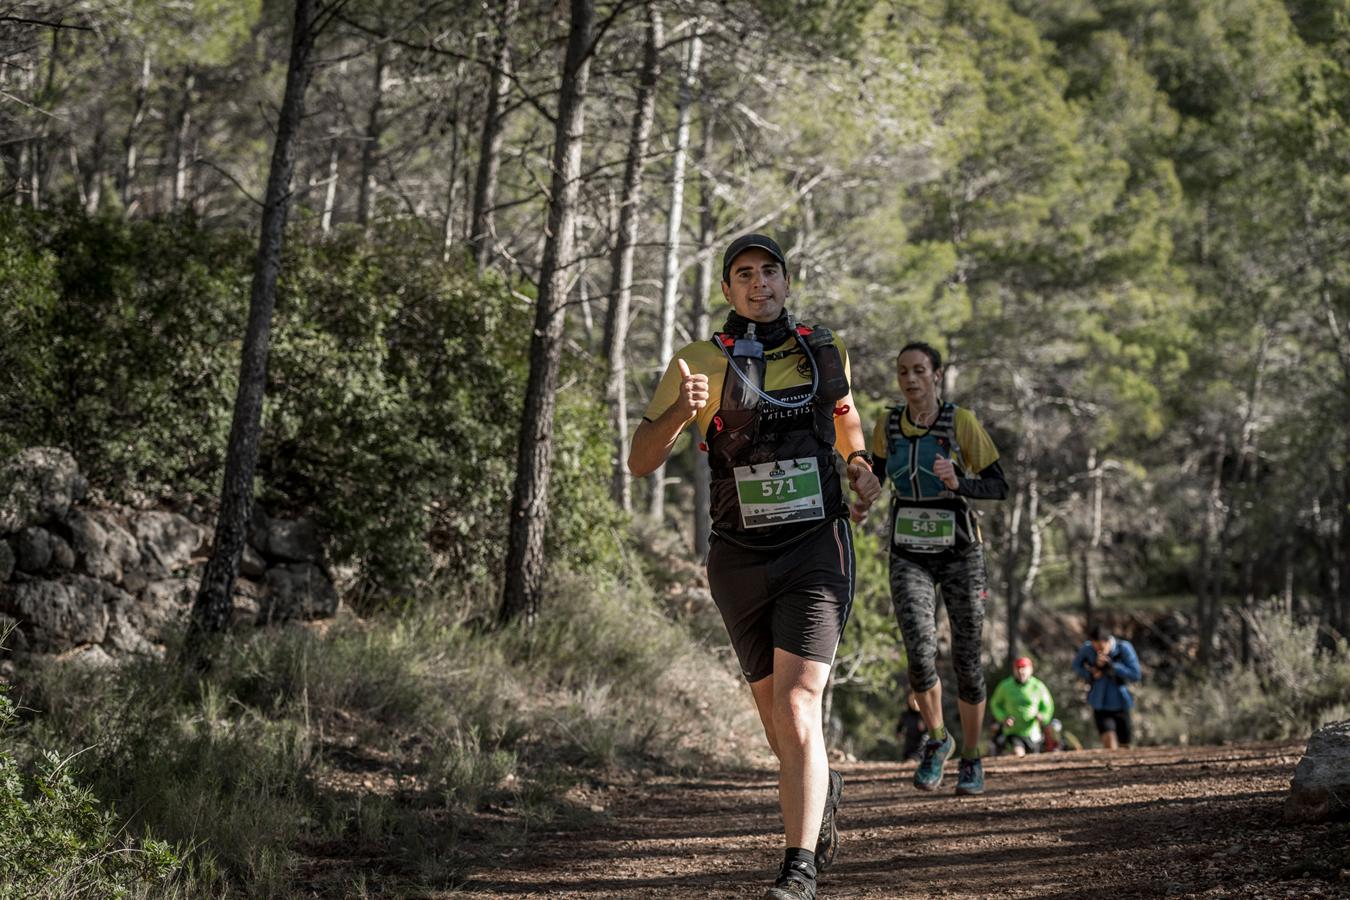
(970, 777)
(928, 776)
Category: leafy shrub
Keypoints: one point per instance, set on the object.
(394, 396)
(57, 841)
(1290, 689)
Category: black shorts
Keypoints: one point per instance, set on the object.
(1117, 720)
(796, 598)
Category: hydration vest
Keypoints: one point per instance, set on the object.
(765, 433)
(909, 459)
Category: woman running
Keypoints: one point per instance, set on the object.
(937, 457)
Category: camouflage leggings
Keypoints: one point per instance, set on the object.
(914, 579)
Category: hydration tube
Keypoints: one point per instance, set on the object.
(815, 372)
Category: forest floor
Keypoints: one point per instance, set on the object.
(1153, 822)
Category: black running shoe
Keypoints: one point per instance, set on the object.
(795, 882)
(828, 840)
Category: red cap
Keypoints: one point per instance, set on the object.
(1021, 661)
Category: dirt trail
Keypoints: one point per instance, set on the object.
(1184, 822)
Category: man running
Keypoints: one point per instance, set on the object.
(772, 401)
(1022, 707)
(1108, 664)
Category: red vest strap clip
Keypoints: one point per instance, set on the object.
(842, 410)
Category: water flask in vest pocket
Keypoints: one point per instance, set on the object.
(747, 358)
(829, 366)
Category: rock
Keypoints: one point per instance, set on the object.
(293, 540)
(6, 561)
(12, 639)
(245, 613)
(63, 556)
(298, 591)
(125, 629)
(251, 564)
(92, 656)
(58, 615)
(34, 550)
(38, 485)
(1320, 788)
(103, 548)
(160, 607)
(166, 541)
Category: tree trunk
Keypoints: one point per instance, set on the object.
(670, 278)
(482, 228)
(211, 609)
(534, 462)
(1034, 529)
(1094, 538)
(370, 147)
(129, 146)
(452, 183)
(621, 267)
(330, 189)
(1012, 586)
(181, 132)
(1207, 598)
(702, 325)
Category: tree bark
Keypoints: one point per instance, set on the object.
(330, 188)
(482, 227)
(181, 132)
(1094, 538)
(129, 145)
(452, 183)
(1012, 586)
(702, 324)
(670, 278)
(534, 462)
(211, 609)
(621, 266)
(370, 147)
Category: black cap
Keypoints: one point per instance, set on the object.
(748, 242)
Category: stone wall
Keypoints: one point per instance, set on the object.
(98, 582)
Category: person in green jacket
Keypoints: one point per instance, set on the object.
(1021, 705)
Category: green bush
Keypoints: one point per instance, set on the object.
(57, 841)
(1290, 689)
(393, 403)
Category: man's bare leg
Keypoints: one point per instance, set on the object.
(1110, 741)
(803, 770)
(763, 694)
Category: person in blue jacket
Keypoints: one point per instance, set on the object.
(1108, 664)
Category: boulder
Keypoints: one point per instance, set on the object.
(33, 550)
(251, 564)
(166, 541)
(38, 485)
(63, 556)
(6, 561)
(293, 540)
(298, 591)
(58, 615)
(103, 548)
(11, 637)
(1320, 789)
(159, 608)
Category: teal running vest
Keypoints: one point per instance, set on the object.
(909, 460)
